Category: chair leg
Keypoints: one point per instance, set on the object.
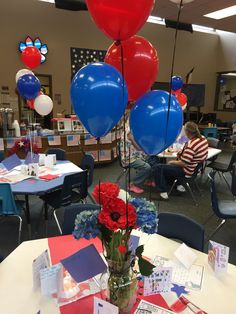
(216, 230)
(192, 194)
(57, 221)
(173, 185)
(224, 177)
(20, 228)
(91, 198)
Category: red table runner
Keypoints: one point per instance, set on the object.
(64, 246)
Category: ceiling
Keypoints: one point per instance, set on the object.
(193, 13)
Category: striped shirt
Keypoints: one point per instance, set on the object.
(194, 152)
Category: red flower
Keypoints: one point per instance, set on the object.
(113, 215)
(108, 191)
(122, 249)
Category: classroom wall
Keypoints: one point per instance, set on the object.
(64, 29)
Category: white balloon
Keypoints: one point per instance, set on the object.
(22, 72)
(183, 2)
(43, 105)
(184, 107)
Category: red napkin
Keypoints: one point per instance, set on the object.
(49, 177)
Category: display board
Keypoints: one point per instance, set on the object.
(83, 56)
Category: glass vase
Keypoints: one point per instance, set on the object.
(121, 285)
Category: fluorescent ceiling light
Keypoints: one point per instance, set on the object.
(49, 1)
(156, 20)
(229, 74)
(221, 14)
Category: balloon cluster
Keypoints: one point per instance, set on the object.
(100, 91)
(28, 85)
(176, 90)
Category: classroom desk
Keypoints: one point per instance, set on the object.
(212, 152)
(217, 295)
(38, 187)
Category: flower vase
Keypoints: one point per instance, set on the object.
(122, 285)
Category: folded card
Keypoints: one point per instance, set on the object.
(185, 255)
(102, 307)
(159, 281)
(218, 256)
(41, 262)
(31, 158)
(84, 264)
(11, 162)
(51, 280)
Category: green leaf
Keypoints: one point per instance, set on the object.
(139, 251)
(145, 267)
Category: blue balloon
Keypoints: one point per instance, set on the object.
(176, 82)
(28, 86)
(148, 121)
(99, 97)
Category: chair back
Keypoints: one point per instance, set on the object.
(214, 198)
(88, 164)
(233, 186)
(2, 156)
(7, 201)
(70, 213)
(213, 142)
(197, 170)
(232, 161)
(60, 153)
(180, 227)
(73, 181)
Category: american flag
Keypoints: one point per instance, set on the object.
(54, 140)
(73, 140)
(83, 56)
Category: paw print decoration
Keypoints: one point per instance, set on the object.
(35, 43)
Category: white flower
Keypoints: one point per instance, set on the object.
(122, 195)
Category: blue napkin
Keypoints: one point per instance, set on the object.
(11, 162)
(84, 264)
(31, 158)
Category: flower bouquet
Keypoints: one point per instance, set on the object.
(113, 224)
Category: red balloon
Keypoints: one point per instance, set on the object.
(140, 64)
(31, 57)
(176, 92)
(30, 103)
(182, 99)
(120, 19)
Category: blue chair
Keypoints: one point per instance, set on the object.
(10, 207)
(74, 189)
(60, 153)
(180, 227)
(2, 156)
(87, 163)
(233, 185)
(222, 168)
(210, 132)
(223, 209)
(189, 183)
(70, 213)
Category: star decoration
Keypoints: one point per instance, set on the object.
(21, 144)
(179, 290)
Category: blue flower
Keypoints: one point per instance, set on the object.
(86, 225)
(147, 216)
(37, 44)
